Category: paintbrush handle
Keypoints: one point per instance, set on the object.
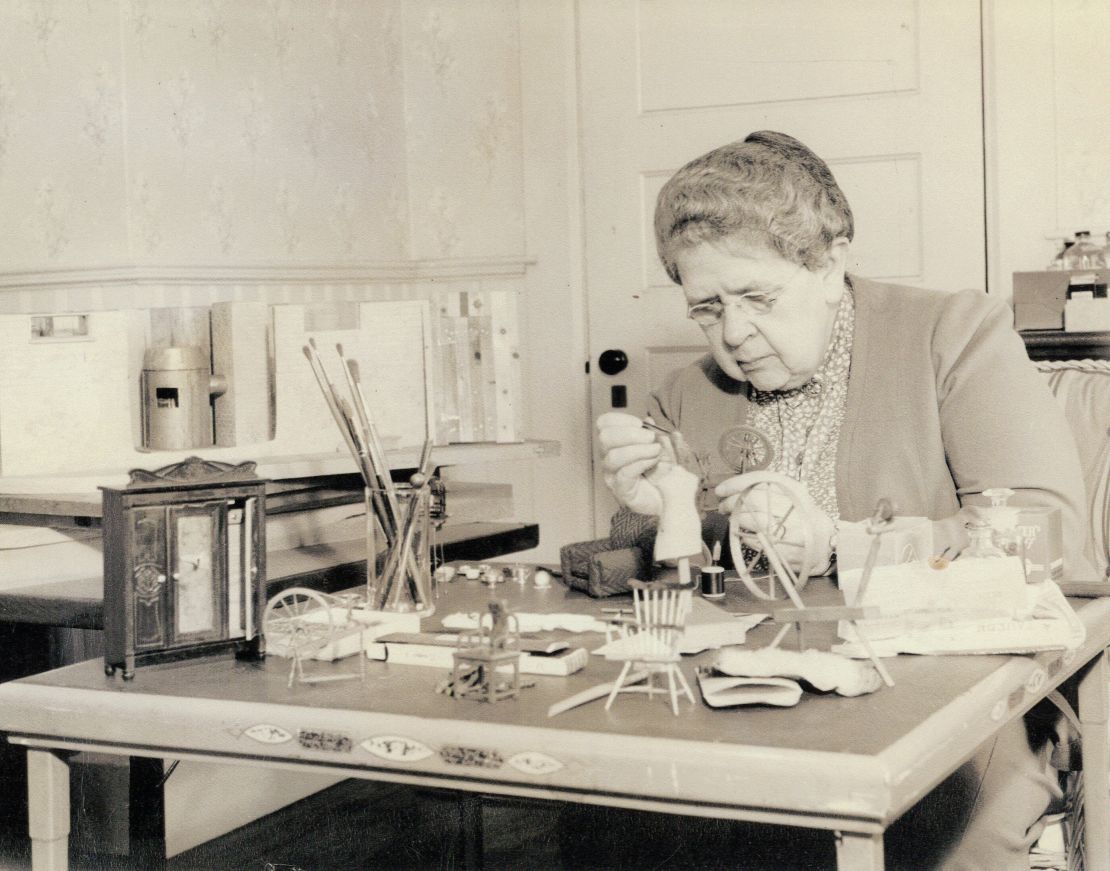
(381, 470)
(377, 452)
(328, 392)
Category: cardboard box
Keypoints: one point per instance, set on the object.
(1039, 297)
(1044, 557)
(1086, 314)
(910, 539)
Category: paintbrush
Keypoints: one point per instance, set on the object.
(330, 398)
(377, 453)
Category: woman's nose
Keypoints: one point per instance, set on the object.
(736, 327)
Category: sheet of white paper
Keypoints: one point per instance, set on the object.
(1045, 620)
(712, 636)
(977, 588)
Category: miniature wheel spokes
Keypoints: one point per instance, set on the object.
(762, 533)
(299, 619)
(745, 449)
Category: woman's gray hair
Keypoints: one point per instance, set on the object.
(768, 188)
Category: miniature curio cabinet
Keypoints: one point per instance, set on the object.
(184, 564)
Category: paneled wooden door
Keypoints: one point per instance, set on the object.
(887, 91)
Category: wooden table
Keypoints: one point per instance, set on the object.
(811, 765)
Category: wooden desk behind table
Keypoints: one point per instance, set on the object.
(327, 567)
(811, 765)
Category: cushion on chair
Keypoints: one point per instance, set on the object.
(1082, 387)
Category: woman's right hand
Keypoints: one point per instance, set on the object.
(629, 453)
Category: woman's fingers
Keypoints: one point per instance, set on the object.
(635, 469)
(619, 419)
(618, 436)
(617, 458)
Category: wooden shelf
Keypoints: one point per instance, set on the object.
(1058, 345)
(25, 499)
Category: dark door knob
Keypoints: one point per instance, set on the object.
(612, 362)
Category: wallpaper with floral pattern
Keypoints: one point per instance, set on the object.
(258, 132)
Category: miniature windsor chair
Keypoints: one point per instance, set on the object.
(648, 642)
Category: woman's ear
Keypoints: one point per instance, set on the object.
(834, 268)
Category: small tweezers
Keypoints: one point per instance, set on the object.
(648, 424)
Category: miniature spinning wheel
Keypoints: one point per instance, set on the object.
(298, 621)
(765, 503)
(745, 449)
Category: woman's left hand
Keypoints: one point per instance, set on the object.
(768, 509)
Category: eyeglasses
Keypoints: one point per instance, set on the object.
(752, 303)
(712, 311)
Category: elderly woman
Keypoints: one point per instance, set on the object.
(864, 390)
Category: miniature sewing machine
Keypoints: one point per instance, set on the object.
(487, 662)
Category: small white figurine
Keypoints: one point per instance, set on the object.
(679, 534)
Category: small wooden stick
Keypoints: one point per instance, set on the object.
(785, 576)
(875, 661)
(684, 571)
(884, 513)
(592, 694)
(781, 635)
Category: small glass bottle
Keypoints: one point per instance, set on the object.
(981, 541)
(1058, 261)
(1002, 519)
(1085, 253)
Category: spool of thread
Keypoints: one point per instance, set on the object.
(712, 582)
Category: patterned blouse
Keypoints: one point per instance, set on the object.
(803, 424)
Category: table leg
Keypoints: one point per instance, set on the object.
(48, 810)
(1094, 708)
(859, 852)
(146, 817)
(470, 831)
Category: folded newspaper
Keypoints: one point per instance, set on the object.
(970, 606)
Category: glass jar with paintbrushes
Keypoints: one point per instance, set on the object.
(397, 515)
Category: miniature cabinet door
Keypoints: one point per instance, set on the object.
(198, 600)
(180, 580)
(148, 582)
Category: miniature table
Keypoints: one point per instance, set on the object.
(810, 765)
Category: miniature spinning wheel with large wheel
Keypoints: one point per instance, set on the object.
(745, 449)
(298, 620)
(762, 534)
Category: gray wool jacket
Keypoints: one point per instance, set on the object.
(943, 403)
